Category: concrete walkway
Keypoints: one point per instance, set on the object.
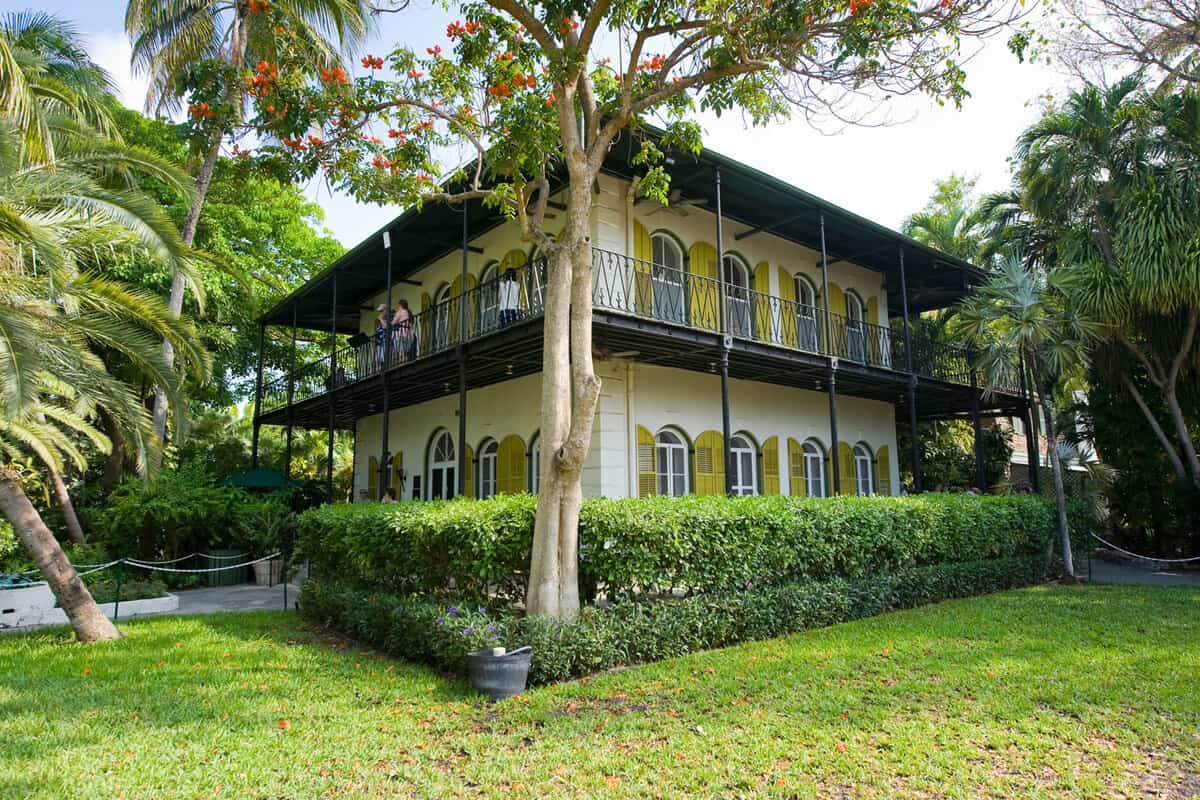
(242, 597)
(1161, 575)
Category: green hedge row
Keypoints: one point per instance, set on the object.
(638, 632)
(468, 548)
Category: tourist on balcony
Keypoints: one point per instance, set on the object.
(403, 341)
(381, 334)
(510, 298)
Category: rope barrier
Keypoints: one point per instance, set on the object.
(1146, 558)
(154, 568)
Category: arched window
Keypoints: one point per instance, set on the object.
(441, 318)
(814, 468)
(864, 470)
(745, 472)
(807, 330)
(443, 468)
(671, 464)
(668, 278)
(487, 469)
(856, 343)
(737, 294)
(489, 298)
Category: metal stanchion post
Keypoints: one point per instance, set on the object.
(117, 602)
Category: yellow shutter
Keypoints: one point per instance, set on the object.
(846, 467)
(510, 466)
(770, 456)
(643, 283)
(469, 483)
(787, 293)
(702, 262)
(796, 477)
(837, 308)
(873, 310)
(875, 354)
(456, 289)
(883, 472)
(764, 330)
(710, 463)
(373, 477)
(647, 472)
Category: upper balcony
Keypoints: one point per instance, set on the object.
(644, 310)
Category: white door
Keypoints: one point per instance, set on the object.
(487, 469)
(671, 465)
(864, 474)
(806, 316)
(855, 334)
(814, 470)
(667, 279)
(737, 296)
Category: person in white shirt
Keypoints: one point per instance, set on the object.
(510, 298)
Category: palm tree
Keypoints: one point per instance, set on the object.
(1111, 184)
(1022, 315)
(55, 312)
(950, 221)
(174, 39)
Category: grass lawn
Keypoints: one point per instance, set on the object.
(1046, 692)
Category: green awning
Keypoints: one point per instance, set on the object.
(257, 479)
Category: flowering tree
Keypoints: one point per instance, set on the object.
(522, 87)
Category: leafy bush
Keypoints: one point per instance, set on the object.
(175, 513)
(472, 549)
(105, 591)
(634, 632)
(263, 526)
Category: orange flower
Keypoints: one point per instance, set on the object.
(434, 51)
(416, 76)
(840, 747)
(284, 724)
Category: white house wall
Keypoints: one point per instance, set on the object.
(631, 394)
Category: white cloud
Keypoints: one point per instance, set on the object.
(112, 51)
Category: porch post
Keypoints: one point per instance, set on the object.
(831, 374)
(912, 381)
(725, 342)
(384, 472)
(333, 385)
(977, 427)
(262, 332)
(462, 364)
(291, 391)
(1032, 451)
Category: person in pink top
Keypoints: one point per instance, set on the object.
(404, 342)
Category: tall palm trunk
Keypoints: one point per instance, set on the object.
(73, 597)
(175, 302)
(1060, 493)
(114, 461)
(63, 497)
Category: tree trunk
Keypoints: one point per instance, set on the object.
(74, 529)
(570, 392)
(114, 461)
(73, 597)
(175, 302)
(1060, 494)
(1159, 433)
(1181, 430)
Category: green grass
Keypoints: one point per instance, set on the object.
(1047, 692)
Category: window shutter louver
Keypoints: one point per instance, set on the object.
(710, 463)
(797, 480)
(643, 281)
(469, 473)
(647, 471)
(770, 458)
(702, 262)
(883, 470)
(510, 466)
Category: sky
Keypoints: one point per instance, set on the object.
(882, 173)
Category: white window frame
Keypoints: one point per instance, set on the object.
(443, 470)
(741, 446)
(441, 318)
(814, 479)
(489, 297)
(737, 296)
(487, 468)
(670, 449)
(667, 278)
(807, 329)
(864, 470)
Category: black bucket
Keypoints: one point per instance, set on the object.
(499, 676)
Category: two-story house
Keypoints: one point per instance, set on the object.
(781, 366)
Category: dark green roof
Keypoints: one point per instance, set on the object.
(750, 200)
(260, 478)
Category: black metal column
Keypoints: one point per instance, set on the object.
(723, 312)
(831, 375)
(912, 381)
(1032, 451)
(977, 427)
(262, 335)
(462, 364)
(333, 386)
(291, 391)
(384, 472)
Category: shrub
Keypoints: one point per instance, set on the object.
(634, 632)
(472, 549)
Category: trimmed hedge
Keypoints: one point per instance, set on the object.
(638, 632)
(470, 548)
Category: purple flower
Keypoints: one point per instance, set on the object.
(468, 631)
(452, 611)
(491, 628)
(440, 621)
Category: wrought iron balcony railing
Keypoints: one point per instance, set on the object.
(636, 288)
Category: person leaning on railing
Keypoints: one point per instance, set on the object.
(509, 299)
(381, 333)
(402, 334)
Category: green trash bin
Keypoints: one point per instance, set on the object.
(224, 558)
